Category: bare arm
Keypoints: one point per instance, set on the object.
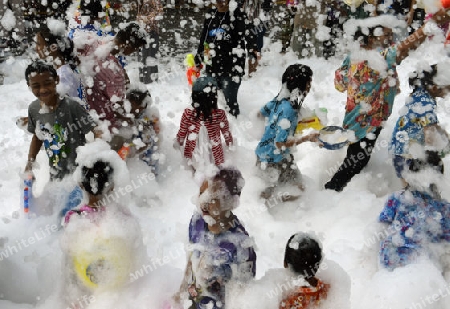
(35, 146)
(296, 141)
(418, 37)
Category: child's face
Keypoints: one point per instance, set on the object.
(137, 108)
(382, 37)
(43, 86)
(125, 48)
(209, 199)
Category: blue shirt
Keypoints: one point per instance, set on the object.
(281, 124)
(409, 129)
(415, 218)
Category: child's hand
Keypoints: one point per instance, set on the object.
(29, 167)
(176, 145)
(192, 291)
(314, 137)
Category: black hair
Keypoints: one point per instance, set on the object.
(297, 76)
(63, 44)
(39, 67)
(432, 159)
(233, 180)
(132, 35)
(361, 37)
(91, 8)
(423, 78)
(303, 255)
(96, 179)
(138, 96)
(204, 102)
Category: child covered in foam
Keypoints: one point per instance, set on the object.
(307, 281)
(102, 241)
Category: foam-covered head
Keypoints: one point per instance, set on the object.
(204, 96)
(297, 76)
(98, 179)
(91, 8)
(223, 189)
(131, 38)
(424, 174)
(100, 150)
(303, 254)
(423, 77)
(39, 67)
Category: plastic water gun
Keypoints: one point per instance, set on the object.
(192, 72)
(27, 192)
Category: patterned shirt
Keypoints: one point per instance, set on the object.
(281, 123)
(218, 258)
(306, 297)
(370, 93)
(190, 127)
(108, 88)
(409, 129)
(61, 131)
(415, 218)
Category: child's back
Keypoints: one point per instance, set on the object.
(202, 125)
(303, 256)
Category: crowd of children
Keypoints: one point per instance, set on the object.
(103, 101)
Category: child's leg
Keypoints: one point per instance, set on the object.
(358, 155)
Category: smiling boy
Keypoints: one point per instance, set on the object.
(60, 124)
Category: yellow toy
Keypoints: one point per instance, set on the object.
(307, 123)
(107, 265)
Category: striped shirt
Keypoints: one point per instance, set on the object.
(190, 127)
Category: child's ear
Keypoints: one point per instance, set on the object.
(285, 264)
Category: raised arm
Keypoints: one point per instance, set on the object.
(418, 37)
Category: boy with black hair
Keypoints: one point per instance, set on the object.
(208, 123)
(273, 151)
(303, 256)
(60, 124)
(417, 131)
(370, 90)
(141, 136)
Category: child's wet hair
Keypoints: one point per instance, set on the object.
(63, 44)
(132, 35)
(423, 78)
(361, 37)
(432, 159)
(138, 96)
(91, 8)
(233, 180)
(204, 96)
(297, 76)
(96, 180)
(39, 67)
(303, 255)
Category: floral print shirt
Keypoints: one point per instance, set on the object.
(370, 93)
(306, 297)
